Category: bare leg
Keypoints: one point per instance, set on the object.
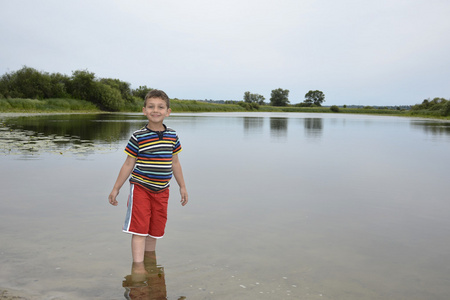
(140, 245)
(150, 244)
(138, 248)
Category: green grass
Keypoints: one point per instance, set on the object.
(431, 114)
(328, 110)
(186, 106)
(199, 106)
(48, 105)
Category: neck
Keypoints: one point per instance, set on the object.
(156, 127)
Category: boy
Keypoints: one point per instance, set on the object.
(152, 159)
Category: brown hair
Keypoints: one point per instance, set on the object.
(157, 94)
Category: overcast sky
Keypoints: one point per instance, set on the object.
(384, 52)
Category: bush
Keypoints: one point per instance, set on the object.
(81, 85)
(436, 107)
(25, 104)
(249, 106)
(304, 104)
(59, 86)
(141, 92)
(107, 97)
(26, 83)
(134, 106)
(446, 109)
(4, 105)
(59, 104)
(121, 86)
(334, 108)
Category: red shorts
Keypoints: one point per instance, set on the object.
(146, 212)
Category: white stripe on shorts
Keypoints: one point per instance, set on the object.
(126, 225)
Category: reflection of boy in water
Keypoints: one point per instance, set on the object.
(146, 280)
(152, 160)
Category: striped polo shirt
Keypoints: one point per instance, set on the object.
(154, 151)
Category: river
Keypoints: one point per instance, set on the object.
(282, 206)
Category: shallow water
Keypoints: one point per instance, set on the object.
(282, 206)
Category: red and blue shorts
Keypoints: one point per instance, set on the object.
(146, 212)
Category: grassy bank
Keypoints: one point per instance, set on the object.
(200, 106)
(73, 105)
(328, 110)
(48, 105)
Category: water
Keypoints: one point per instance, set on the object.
(282, 206)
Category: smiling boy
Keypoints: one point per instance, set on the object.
(152, 160)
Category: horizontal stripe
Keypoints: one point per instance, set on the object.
(154, 153)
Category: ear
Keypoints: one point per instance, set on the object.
(168, 112)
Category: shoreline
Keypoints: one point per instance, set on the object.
(30, 114)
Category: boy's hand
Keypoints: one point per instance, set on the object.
(112, 197)
(184, 196)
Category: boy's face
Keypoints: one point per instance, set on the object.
(156, 110)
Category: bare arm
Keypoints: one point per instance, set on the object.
(124, 173)
(178, 174)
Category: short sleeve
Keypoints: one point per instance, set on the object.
(132, 148)
(177, 146)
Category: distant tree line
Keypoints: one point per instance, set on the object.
(107, 93)
(115, 95)
(437, 106)
(280, 97)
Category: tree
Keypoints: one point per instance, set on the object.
(253, 98)
(82, 85)
(315, 97)
(26, 83)
(106, 97)
(279, 97)
(446, 109)
(141, 91)
(104, 93)
(426, 103)
(121, 86)
(59, 85)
